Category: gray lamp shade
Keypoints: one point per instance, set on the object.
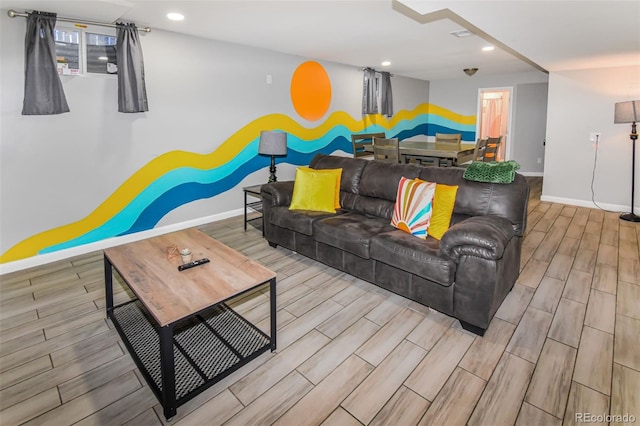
(627, 112)
(272, 143)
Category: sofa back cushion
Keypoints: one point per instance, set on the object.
(351, 169)
(381, 179)
(379, 187)
(351, 174)
(479, 198)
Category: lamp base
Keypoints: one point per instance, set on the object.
(272, 170)
(631, 217)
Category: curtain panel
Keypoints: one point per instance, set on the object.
(132, 91)
(369, 101)
(386, 95)
(43, 91)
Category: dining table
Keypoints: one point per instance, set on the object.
(418, 148)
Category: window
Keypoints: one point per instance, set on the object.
(83, 51)
(101, 53)
(67, 51)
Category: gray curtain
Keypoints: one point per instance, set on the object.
(43, 92)
(132, 92)
(369, 101)
(386, 96)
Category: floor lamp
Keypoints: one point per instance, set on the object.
(273, 144)
(629, 112)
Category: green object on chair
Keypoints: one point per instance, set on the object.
(492, 172)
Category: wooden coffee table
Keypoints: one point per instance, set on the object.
(179, 330)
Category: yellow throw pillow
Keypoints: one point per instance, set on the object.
(443, 203)
(314, 190)
(338, 174)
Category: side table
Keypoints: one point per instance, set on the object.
(253, 191)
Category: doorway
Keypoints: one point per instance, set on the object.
(494, 117)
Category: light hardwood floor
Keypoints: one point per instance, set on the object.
(564, 342)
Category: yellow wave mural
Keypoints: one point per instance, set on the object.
(228, 150)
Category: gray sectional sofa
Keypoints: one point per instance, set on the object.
(467, 274)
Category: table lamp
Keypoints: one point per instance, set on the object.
(273, 144)
(629, 112)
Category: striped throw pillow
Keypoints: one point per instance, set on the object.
(413, 207)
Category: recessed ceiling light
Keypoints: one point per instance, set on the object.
(488, 48)
(174, 16)
(461, 33)
(385, 63)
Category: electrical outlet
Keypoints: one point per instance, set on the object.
(539, 160)
(595, 137)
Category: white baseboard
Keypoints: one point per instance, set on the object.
(615, 208)
(42, 259)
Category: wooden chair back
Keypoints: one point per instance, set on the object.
(386, 149)
(491, 149)
(449, 138)
(359, 141)
(478, 150)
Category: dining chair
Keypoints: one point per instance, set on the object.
(479, 149)
(491, 149)
(359, 141)
(448, 139)
(386, 149)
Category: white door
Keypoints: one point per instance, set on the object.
(494, 117)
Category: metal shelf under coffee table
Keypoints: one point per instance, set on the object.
(182, 351)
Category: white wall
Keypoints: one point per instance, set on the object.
(581, 102)
(55, 170)
(460, 95)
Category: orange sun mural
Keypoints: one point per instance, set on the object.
(311, 91)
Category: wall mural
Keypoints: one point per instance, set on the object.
(179, 177)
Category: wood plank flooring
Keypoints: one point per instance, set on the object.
(564, 342)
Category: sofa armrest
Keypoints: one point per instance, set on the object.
(479, 236)
(279, 193)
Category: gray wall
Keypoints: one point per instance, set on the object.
(460, 95)
(530, 127)
(55, 170)
(581, 102)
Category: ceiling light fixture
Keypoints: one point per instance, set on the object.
(103, 58)
(488, 48)
(174, 16)
(461, 33)
(385, 63)
(470, 71)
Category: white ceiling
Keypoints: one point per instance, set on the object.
(412, 34)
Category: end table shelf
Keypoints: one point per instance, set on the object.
(253, 191)
(206, 348)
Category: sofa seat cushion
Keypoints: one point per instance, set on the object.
(350, 232)
(415, 255)
(297, 220)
